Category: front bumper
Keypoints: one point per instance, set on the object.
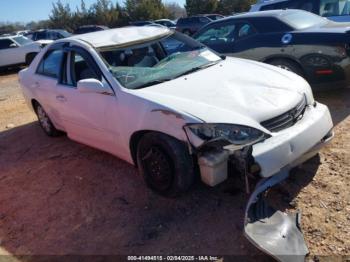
(290, 147)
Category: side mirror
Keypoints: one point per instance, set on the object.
(93, 86)
(13, 45)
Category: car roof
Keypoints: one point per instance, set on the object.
(270, 13)
(123, 36)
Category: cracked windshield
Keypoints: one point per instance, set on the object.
(158, 61)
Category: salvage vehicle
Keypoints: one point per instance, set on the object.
(17, 50)
(168, 110)
(304, 43)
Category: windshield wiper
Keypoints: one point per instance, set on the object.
(197, 68)
(155, 82)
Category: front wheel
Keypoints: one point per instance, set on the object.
(165, 164)
(45, 122)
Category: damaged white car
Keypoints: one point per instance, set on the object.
(165, 103)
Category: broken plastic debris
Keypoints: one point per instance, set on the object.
(274, 232)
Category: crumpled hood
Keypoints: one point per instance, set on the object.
(233, 91)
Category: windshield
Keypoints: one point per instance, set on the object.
(64, 33)
(21, 40)
(157, 61)
(302, 19)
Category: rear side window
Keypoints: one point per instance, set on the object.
(51, 63)
(269, 25)
(245, 30)
(81, 69)
(5, 43)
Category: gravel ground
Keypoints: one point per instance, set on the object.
(59, 197)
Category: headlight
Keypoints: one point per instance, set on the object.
(235, 134)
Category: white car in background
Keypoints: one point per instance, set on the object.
(17, 50)
(165, 103)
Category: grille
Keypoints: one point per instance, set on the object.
(287, 119)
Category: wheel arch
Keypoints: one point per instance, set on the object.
(136, 138)
(34, 103)
(28, 61)
(288, 58)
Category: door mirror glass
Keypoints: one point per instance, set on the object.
(13, 45)
(92, 86)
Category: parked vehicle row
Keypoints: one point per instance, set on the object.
(185, 25)
(190, 25)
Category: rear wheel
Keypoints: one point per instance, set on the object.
(165, 164)
(45, 122)
(287, 65)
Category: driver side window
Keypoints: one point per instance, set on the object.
(81, 69)
(218, 34)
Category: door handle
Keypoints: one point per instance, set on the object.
(61, 98)
(35, 85)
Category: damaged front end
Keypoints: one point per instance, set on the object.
(274, 232)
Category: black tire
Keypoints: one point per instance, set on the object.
(165, 164)
(45, 122)
(287, 65)
(30, 57)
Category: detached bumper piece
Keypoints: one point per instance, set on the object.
(274, 232)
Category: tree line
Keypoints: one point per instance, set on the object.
(112, 14)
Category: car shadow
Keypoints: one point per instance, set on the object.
(59, 197)
(10, 70)
(338, 102)
(283, 196)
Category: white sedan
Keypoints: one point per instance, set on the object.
(165, 103)
(17, 50)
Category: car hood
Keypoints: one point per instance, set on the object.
(233, 91)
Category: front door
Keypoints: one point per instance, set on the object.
(88, 118)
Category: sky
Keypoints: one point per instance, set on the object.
(34, 10)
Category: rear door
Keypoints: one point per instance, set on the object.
(44, 82)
